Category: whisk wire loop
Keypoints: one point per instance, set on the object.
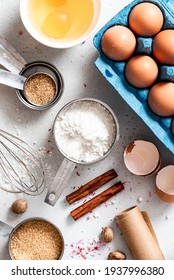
(20, 165)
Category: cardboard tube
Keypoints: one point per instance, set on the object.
(149, 224)
(138, 235)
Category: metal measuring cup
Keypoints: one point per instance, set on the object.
(68, 164)
(8, 231)
(21, 72)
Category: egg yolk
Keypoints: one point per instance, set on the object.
(57, 24)
(56, 2)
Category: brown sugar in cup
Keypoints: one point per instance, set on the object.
(54, 77)
(36, 239)
(40, 89)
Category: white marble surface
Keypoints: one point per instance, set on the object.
(81, 79)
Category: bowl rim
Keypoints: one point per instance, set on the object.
(55, 43)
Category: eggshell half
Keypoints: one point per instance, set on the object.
(118, 43)
(156, 169)
(165, 184)
(146, 19)
(141, 157)
(161, 99)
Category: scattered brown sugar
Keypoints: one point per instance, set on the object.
(40, 89)
(36, 240)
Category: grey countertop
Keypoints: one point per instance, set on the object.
(81, 79)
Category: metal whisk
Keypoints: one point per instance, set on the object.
(21, 168)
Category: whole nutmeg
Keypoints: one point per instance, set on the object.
(19, 206)
(107, 234)
(117, 255)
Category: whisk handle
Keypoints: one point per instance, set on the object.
(60, 181)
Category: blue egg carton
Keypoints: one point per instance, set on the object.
(113, 71)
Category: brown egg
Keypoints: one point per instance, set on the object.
(163, 47)
(172, 127)
(118, 43)
(141, 71)
(161, 99)
(146, 19)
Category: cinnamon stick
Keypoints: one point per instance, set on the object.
(91, 186)
(96, 201)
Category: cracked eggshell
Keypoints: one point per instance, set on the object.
(165, 184)
(142, 158)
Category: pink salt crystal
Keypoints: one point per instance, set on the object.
(140, 199)
(126, 183)
(106, 204)
(82, 250)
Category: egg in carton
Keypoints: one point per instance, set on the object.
(137, 57)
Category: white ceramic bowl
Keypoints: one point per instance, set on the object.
(24, 13)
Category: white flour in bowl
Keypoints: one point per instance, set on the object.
(85, 131)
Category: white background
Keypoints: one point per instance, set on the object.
(78, 69)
